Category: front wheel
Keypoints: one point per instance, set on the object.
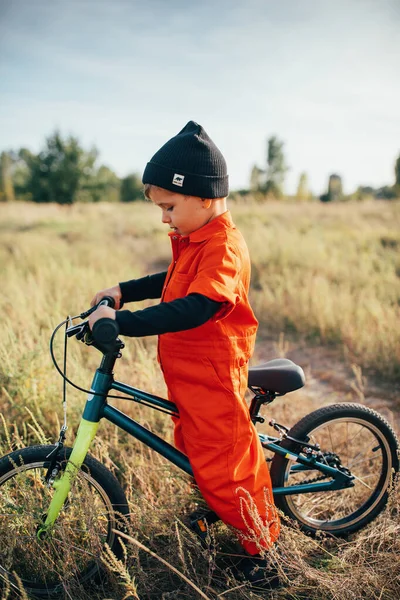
(70, 554)
(351, 436)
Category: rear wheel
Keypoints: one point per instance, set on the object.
(350, 436)
(71, 553)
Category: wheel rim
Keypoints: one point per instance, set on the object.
(72, 551)
(364, 450)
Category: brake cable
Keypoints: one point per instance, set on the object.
(68, 321)
(53, 468)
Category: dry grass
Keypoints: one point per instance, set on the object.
(330, 274)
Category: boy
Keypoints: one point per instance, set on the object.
(206, 331)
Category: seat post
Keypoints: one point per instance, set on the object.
(261, 397)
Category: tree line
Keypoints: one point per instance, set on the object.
(269, 180)
(65, 173)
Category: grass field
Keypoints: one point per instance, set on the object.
(326, 274)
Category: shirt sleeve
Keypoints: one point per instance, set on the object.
(145, 288)
(167, 317)
(218, 277)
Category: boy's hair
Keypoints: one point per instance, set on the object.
(148, 187)
(189, 164)
(146, 190)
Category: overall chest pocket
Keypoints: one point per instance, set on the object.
(178, 286)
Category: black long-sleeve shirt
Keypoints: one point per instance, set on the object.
(145, 288)
(180, 314)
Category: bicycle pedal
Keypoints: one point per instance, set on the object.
(200, 520)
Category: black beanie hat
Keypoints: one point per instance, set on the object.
(189, 163)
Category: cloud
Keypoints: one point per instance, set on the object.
(128, 75)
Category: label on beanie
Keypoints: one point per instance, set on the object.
(178, 179)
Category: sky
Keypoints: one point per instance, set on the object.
(126, 75)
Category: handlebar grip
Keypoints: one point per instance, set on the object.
(105, 331)
(107, 301)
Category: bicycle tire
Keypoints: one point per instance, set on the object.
(70, 556)
(346, 430)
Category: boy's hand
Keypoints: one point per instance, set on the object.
(103, 312)
(114, 292)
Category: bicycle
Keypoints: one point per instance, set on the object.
(331, 472)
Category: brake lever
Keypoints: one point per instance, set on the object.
(78, 330)
(82, 331)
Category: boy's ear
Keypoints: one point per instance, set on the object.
(207, 202)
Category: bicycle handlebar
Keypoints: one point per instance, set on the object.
(104, 333)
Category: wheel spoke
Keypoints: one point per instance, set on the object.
(362, 482)
(336, 446)
(365, 460)
(73, 547)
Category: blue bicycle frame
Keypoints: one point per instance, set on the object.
(97, 408)
(180, 460)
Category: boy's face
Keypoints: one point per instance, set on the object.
(184, 214)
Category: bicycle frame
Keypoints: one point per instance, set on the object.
(97, 408)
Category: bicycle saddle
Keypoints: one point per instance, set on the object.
(280, 375)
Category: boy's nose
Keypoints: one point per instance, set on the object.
(165, 218)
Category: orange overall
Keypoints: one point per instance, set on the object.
(205, 370)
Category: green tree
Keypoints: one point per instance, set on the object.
(21, 173)
(335, 190)
(131, 188)
(256, 179)
(363, 192)
(276, 167)
(387, 192)
(397, 171)
(60, 170)
(6, 182)
(102, 186)
(397, 176)
(303, 191)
